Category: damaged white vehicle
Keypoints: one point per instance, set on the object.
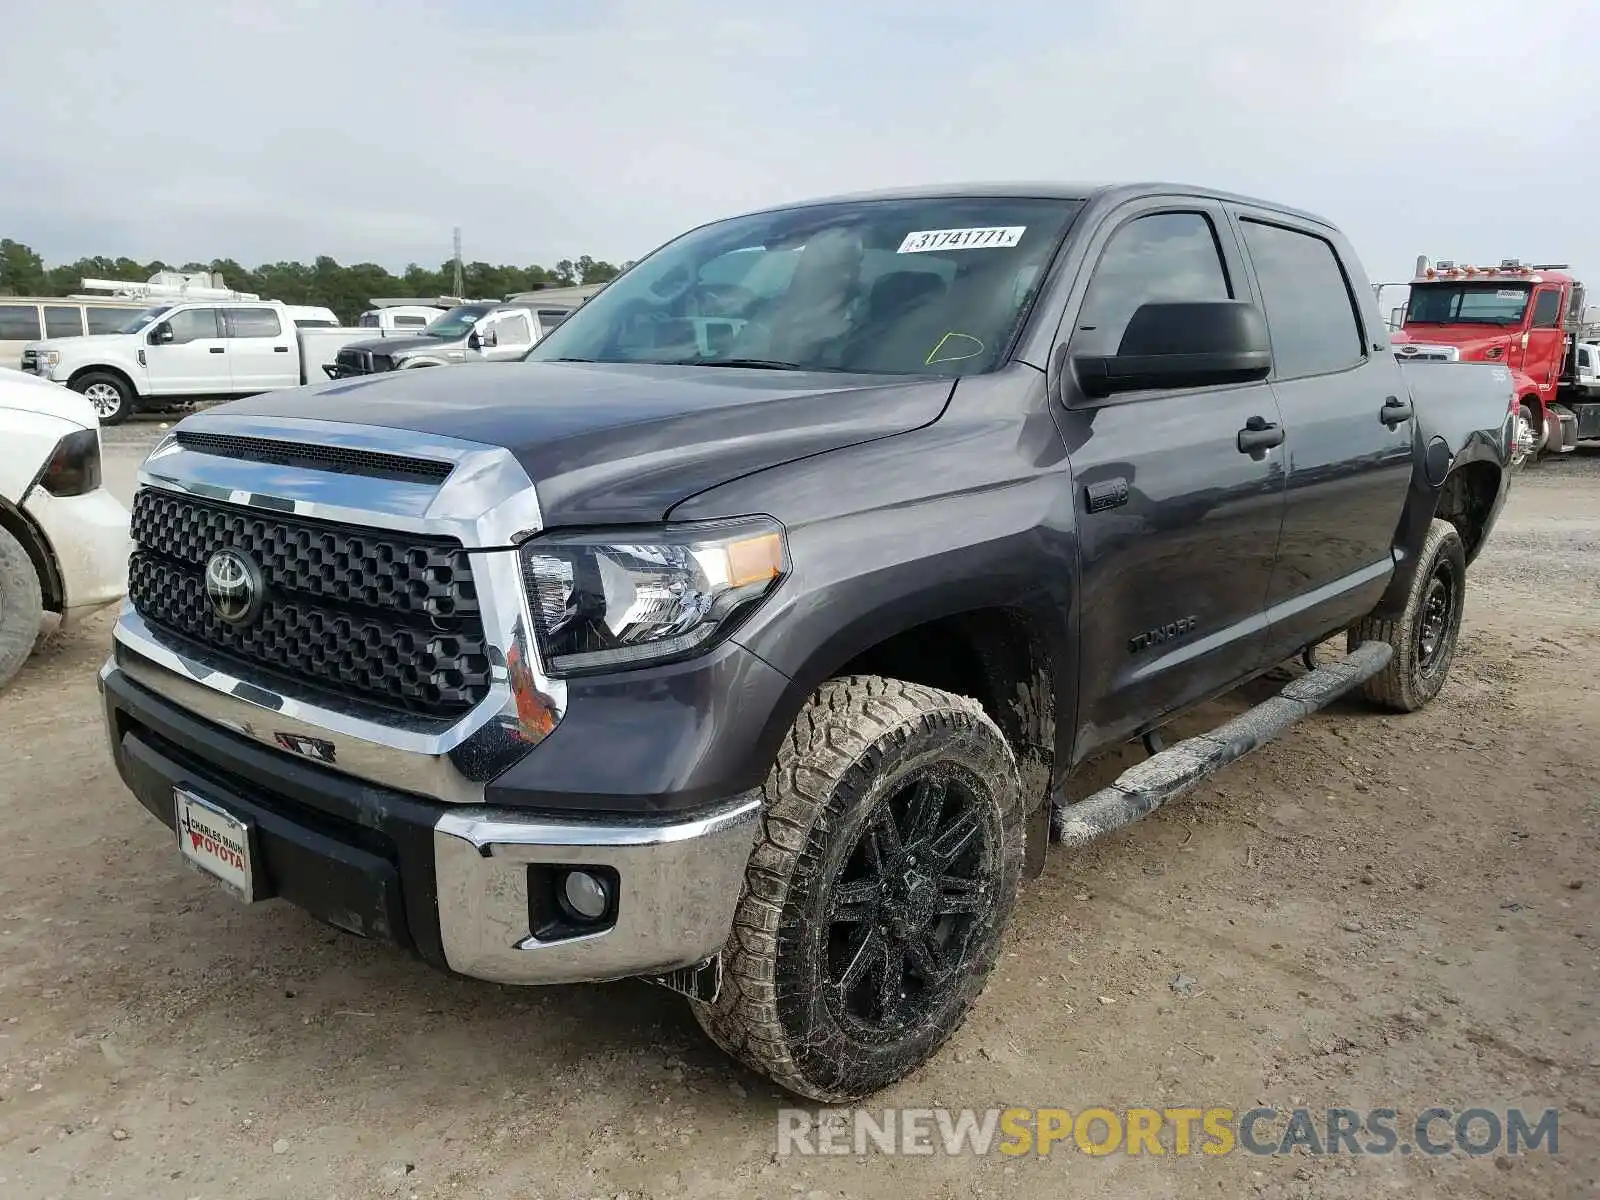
(64, 538)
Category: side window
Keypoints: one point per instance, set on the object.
(19, 322)
(1547, 309)
(513, 330)
(109, 320)
(1310, 311)
(405, 322)
(1164, 256)
(193, 324)
(549, 318)
(253, 323)
(63, 320)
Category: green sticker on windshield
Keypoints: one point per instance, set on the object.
(953, 347)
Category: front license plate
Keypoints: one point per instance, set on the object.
(214, 841)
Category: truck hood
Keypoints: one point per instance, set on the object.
(613, 443)
(29, 393)
(404, 345)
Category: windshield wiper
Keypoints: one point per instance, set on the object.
(765, 364)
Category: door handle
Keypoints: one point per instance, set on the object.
(218, 349)
(1259, 435)
(280, 349)
(1395, 411)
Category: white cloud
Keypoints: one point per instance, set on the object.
(184, 129)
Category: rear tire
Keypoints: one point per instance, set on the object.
(21, 606)
(877, 893)
(110, 395)
(1424, 636)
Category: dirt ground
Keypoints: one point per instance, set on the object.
(1374, 912)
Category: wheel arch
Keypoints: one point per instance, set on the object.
(21, 526)
(105, 369)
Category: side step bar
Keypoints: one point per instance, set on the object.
(1146, 786)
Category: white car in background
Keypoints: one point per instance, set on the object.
(64, 540)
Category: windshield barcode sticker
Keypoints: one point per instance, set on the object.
(1510, 294)
(997, 237)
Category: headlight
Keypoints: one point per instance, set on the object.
(624, 599)
(74, 468)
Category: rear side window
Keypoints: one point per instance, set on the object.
(405, 322)
(63, 320)
(253, 323)
(109, 320)
(1547, 309)
(549, 318)
(1164, 256)
(19, 323)
(1310, 311)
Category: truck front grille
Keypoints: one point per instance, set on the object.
(392, 618)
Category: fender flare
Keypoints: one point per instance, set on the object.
(21, 526)
(426, 360)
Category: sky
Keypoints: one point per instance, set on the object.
(263, 130)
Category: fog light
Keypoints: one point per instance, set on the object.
(585, 895)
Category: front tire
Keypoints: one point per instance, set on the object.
(21, 606)
(878, 892)
(110, 395)
(1424, 637)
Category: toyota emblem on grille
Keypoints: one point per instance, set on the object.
(234, 586)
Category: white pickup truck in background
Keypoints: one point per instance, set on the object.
(177, 353)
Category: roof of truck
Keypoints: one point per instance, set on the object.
(1055, 191)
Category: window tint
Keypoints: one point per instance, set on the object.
(19, 323)
(63, 320)
(1310, 312)
(110, 320)
(1165, 256)
(192, 324)
(405, 322)
(253, 323)
(1547, 309)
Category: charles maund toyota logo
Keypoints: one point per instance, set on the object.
(234, 586)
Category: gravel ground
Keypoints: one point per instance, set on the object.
(1374, 911)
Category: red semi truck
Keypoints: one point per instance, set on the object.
(1529, 317)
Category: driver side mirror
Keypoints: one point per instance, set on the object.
(161, 335)
(1181, 344)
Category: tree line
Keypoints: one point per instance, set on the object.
(345, 289)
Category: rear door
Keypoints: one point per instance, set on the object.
(1177, 527)
(194, 360)
(1348, 423)
(262, 349)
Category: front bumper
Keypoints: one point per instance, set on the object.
(465, 888)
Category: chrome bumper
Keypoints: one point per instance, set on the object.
(679, 884)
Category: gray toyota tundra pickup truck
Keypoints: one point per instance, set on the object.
(746, 637)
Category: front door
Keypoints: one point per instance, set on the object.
(261, 346)
(193, 361)
(1545, 343)
(507, 335)
(1348, 425)
(1177, 526)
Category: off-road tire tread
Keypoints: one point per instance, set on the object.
(838, 726)
(21, 606)
(1395, 687)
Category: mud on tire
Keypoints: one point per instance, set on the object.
(1424, 636)
(21, 606)
(878, 891)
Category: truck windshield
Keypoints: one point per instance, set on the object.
(1467, 304)
(930, 286)
(457, 322)
(135, 324)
